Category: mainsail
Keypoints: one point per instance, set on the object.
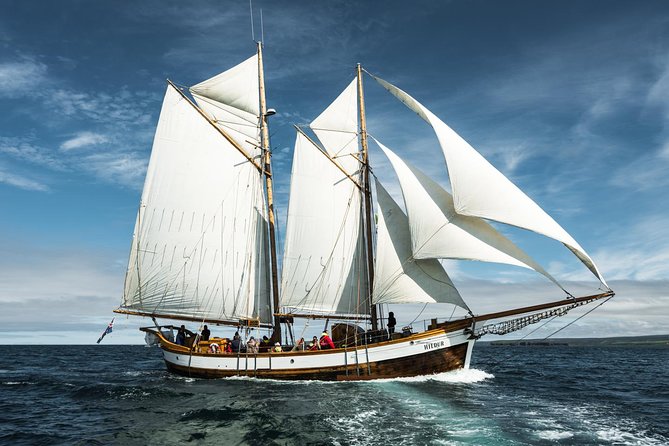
(400, 278)
(480, 190)
(324, 269)
(199, 249)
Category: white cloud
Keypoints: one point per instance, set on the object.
(21, 182)
(126, 169)
(24, 149)
(638, 252)
(21, 77)
(84, 139)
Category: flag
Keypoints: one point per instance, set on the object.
(108, 330)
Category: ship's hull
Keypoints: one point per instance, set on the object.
(434, 351)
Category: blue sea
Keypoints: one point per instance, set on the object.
(512, 395)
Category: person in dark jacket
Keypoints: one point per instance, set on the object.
(205, 334)
(391, 323)
(181, 335)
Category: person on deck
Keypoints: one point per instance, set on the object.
(265, 345)
(252, 346)
(314, 345)
(299, 346)
(236, 343)
(391, 323)
(325, 341)
(277, 348)
(205, 334)
(181, 336)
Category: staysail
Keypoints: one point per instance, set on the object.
(399, 278)
(438, 232)
(480, 190)
(324, 268)
(199, 249)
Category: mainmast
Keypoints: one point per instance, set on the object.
(367, 196)
(264, 138)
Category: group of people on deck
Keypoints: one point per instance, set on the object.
(324, 343)
(252, 346)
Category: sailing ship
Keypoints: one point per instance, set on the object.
(204, 246)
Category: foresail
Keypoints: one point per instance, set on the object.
(199, 248)
(324, 267)
(237, 87)
(438, 232)
(337, 129)
(399, 278)
(480, 190)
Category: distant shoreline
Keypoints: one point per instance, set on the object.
(661, 341)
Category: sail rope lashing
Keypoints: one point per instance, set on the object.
(338, 153)
(578, 318)
(511, 325)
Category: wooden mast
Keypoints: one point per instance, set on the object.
(367, 195)
(264, 133)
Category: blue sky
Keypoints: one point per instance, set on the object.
(569, 99)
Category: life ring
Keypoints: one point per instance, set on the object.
(214, 348)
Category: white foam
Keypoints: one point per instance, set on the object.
(555, 435)
(461, 376)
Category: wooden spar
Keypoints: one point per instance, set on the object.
(533, 308)
(323, 316)
(328, 157)
(367, 196)
(264, 132)
(241, 322)
(223, 133)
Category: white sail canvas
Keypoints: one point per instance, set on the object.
(480, 190)
(398, 277)
(199, 248)
(324, 266)
(237, 87)
(438, 232)
(337, 129)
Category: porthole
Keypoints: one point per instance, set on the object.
(292, 361)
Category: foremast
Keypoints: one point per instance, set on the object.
(267, 172)
(367, 196)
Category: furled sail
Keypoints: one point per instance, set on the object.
(480, 190)
(324, 268)
(337, 129)
(199, 248)
(437, 231)
(399, 278)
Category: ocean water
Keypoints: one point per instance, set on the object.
(512, 396)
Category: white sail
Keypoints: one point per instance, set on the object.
(237, 87)
(324, 269)
(337, 129)
(480, 190)
(398, 277)
(438, 232)
(200, 246)
(243, 127)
